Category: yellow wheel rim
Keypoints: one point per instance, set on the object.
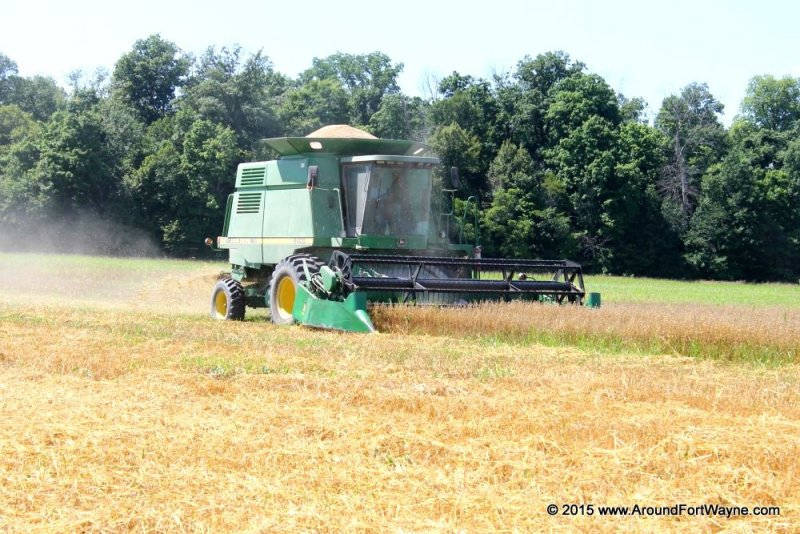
(221, 304)
(285, 296)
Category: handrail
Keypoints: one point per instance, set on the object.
(474, 200)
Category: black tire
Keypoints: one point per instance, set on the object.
(283, 285)
(227, 300)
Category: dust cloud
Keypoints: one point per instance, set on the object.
(88, 261)
(76, 281)
(82, 233)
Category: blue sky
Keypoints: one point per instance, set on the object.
(647, 49)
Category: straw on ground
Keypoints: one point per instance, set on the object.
(127, 415)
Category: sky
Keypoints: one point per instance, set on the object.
(641, 48)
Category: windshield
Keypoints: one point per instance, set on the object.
(386, 199)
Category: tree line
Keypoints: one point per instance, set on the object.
(558, 162)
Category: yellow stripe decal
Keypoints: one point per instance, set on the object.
(234, 241)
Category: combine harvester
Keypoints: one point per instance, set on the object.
(343, 218)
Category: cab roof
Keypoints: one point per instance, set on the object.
(346, 146)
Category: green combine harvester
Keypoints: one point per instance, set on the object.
(341, 219)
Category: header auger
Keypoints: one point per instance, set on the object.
(341, 219)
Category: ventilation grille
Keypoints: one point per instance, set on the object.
(253, 176)
(248, 203)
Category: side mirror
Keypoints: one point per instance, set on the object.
(313, 174)
(455, 181)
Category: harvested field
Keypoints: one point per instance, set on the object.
(124, 408)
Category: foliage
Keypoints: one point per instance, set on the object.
(74, 171)
(471, 105)
(182, 185)
(557, 163)
(459, 148)
(15, 125)
(312, 105)
(513, 168)
(399, 117)
(366, 78)
(39, 96)
(146, 77)
(632, 109)
(772, 103)
(524, 98)
(746, 226)
(237, 92)
(515, 225)
(691, 123)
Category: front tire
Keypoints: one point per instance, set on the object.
(227, 300)
(283, 285)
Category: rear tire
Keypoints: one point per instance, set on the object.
(283, 285)
(227, 300)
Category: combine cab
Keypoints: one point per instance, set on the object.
(341, 219)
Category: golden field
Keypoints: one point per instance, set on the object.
(125, 409)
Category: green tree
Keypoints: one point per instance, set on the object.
(314, 104)
(184, 181)
(15, 125)
(513, 168)
(472, 105)
(366, 78)
(399, 117)
(746, 225)
(39, 95)
(772, 103)
(643, 241)
(576, 99)
(518, 222)
(524, 98)
(458, 148)
(240, 93)
(75, 168)
(8, 71)
(632, 109)
(546, 70)
(584, 162)
(125, 144)
(18, 156)
(147, 77)
(696, 140)
(516, 225)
